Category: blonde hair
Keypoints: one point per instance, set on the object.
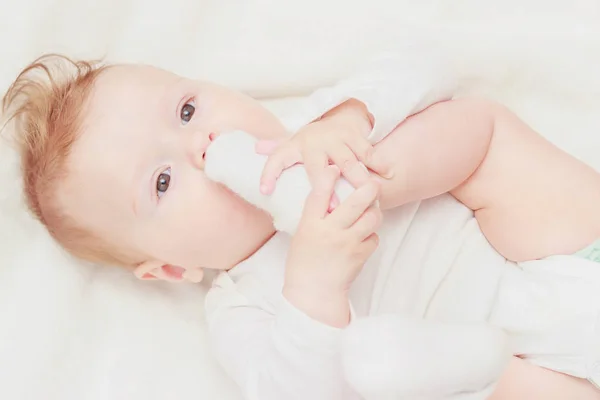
(45, 102)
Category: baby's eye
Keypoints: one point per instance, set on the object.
(162, 182)
(187, 112)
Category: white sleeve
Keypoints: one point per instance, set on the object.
(393, 86)
(274, 354)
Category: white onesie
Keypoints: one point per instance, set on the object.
(433, 262)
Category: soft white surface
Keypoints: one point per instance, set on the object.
(73, 332)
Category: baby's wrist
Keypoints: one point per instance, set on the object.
(352, 112)
(330, 307)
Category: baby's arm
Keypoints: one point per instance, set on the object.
(273, 351)
(530, 198)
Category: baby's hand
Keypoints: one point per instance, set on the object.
(329, 249)
(339, 137)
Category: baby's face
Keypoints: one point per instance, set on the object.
(136, 173)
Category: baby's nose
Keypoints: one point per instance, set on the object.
(198, 148)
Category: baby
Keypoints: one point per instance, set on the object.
(113, 160)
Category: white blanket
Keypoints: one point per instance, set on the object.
(69, 331)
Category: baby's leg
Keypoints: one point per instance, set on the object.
(531, 199)
(435, 151)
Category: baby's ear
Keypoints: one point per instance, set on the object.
(193, 275)
(146, 271)
(153, 270)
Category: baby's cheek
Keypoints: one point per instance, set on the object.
(220, 199)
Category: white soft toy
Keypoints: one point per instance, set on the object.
(389, 357)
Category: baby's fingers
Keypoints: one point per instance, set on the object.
(350, 210)
(366, 153)
(367, 224)
(283, 158)
(346, 160)
(315, 162)
(370, 244)
(267, 147)
(380, 166)
(317, 202)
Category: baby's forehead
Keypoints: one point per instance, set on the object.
(124, 78)
(122, 104)
(122, 88)
(113, 136)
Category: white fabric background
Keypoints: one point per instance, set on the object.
(69, 331)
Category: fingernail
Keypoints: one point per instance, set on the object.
(389, 174)
(264, 188)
